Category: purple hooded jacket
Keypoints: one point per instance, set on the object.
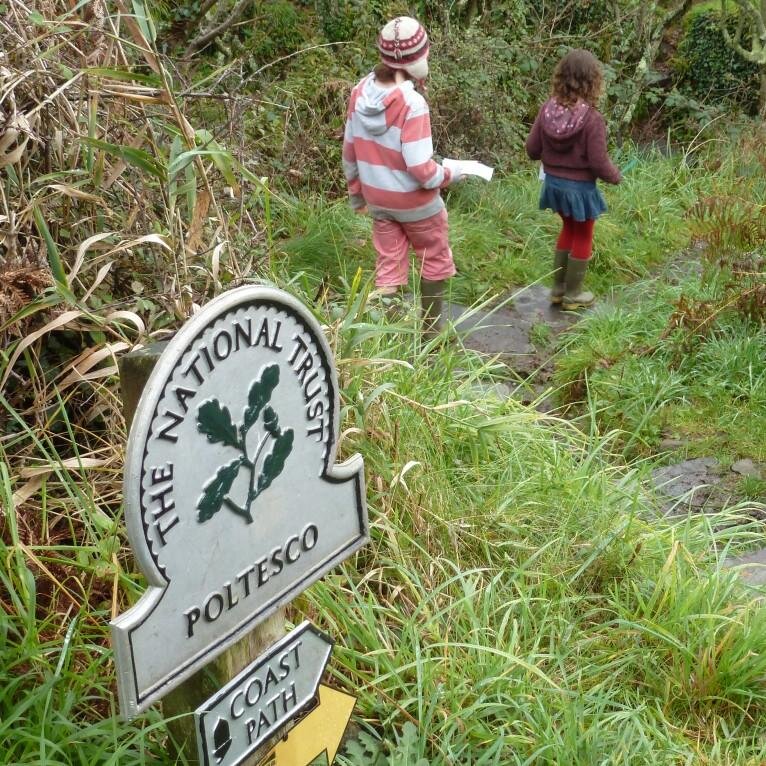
(571, 142)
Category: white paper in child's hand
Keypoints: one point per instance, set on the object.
(469, 168)
(541, 173)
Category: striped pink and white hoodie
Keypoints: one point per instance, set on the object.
(387, 153)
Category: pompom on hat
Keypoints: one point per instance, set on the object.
(403, 44)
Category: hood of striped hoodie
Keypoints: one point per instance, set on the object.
(378, 108)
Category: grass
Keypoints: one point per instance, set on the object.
(518, 606)
(58, 704)
(500, 239)
(520, 601)
(649, 382)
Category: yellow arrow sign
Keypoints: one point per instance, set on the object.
(321, 731)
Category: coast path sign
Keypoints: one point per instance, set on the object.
(233, 501)
(265, 696)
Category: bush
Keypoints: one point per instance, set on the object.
(478, 105)
(276, 32)
(358, 20)
(709, 68)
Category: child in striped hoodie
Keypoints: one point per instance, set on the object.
(389, 167)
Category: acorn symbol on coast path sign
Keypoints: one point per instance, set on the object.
(221, 739)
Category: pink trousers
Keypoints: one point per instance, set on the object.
(428, 238)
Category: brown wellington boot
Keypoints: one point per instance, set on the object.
(431, 302)
(560, 259)
(574, 296)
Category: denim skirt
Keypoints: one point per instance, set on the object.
(580, 200)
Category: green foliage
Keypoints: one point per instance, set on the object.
(276, 29)
(588, 16)
(709, 69)
(611, 31)
(360, 20)
(365, 749)
(498, 236)
(57, 703)
(276, 32)
(168, 11)
(519, 603)
(294, 129)
(516, 604)
(593, 24)
(476, 97)
(344, 20)
(679, 361)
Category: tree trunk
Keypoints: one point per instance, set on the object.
(472, 12)
(646, 62)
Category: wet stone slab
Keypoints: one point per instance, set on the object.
(509, 332)
(696, 485)
(747, 467)
(752, 567)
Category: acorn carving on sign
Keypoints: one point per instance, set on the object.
(215, 422)
(221, 739)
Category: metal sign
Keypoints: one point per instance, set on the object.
(233, 502)
(267, 694)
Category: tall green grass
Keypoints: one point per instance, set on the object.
(707, 387)
(500, 239)
(520, 602)
(61, 568)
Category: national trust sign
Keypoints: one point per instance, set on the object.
(233, 502)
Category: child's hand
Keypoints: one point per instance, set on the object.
(361, 210)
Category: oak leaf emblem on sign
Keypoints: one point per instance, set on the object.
(215, 422)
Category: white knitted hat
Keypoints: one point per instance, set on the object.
(403, 44)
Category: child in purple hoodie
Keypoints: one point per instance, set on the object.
(569, 136)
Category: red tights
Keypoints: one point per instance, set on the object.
(577, 237)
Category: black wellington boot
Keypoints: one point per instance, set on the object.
(431, 303)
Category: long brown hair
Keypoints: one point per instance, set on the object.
(578, 76)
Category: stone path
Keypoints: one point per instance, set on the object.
(521, 334)
(512, 334)
(753, 567)
(509, 332)
(703, 485)
(699, 485)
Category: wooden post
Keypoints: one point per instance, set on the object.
(187, 697)
(180, 704)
